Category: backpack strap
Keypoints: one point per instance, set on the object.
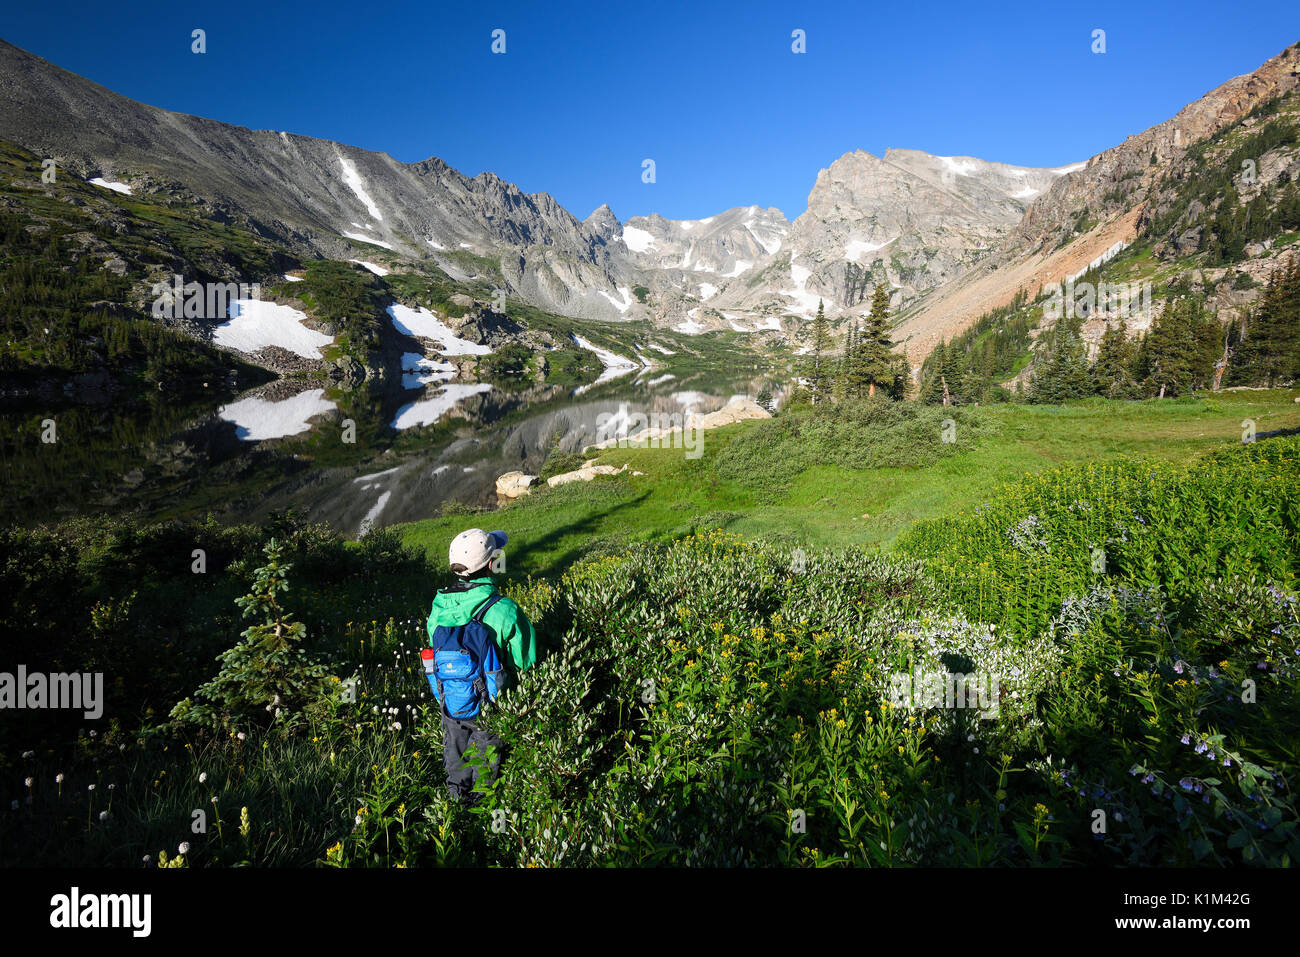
(483, 608)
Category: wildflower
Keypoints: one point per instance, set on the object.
(58, 778)
(27, 781)
(203, 777)
(184, 848)
(90, 787)
(103, 815)
(241, 736)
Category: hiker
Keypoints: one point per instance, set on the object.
(499, 646)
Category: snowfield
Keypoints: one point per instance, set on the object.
(366, 239)
(707, 290)
(358, 186)
(423, 324)
(255, 324)
(856, 247)
(621, 305)
(615, 365)
(807, 300)
(256, 418)
(377, 270)
(292, 278)
(637, 240)
(958, 166)
(736, 270)
(688, 325)
(430, 410)
(115, 187)
(369, 479)
(373, 513)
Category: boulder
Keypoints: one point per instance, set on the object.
(585, 474)
(514, 484)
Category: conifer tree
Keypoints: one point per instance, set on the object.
(1270, 352)
(1062, 372)
(818, 365)
(877, 362)
(1111, 372)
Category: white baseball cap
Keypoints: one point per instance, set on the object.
(474, 548)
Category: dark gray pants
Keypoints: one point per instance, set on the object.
(457, 736)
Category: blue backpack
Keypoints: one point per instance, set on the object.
(467, 670)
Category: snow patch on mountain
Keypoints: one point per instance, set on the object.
(366, 239)
(377, 270)
(358, 186)
(856, 247)
(637, 240)
(958, 166)
(422, 323)
(624, 304)
(615, 365)
(115, 187)
(255, 324)
(374, 513)
(807, 300)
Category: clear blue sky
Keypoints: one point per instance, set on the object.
(710, 91)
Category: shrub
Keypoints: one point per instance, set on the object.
(266, 672)
(856, 434)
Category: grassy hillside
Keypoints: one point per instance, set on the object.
(744, 481)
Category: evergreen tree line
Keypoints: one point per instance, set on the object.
(1186, 349)
(970, 365)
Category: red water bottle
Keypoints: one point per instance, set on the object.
(430, 670)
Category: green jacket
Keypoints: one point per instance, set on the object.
(514, 633)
